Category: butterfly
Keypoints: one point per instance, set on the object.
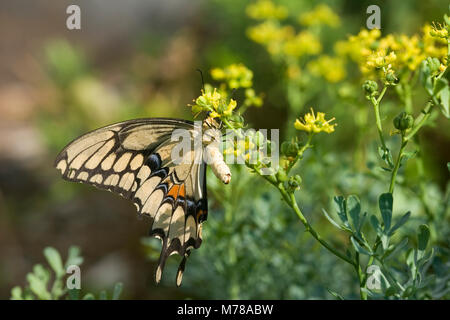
(135, 159)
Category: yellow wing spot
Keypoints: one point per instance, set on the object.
(94, 161)
(122, 163)
(62, 165)
(83, 175)
(97, 178)
(146, 188)
(112, 180)
(83, 156)
(77, 147)
(143, 173)
(108, 162)
(137, 161)
(127, 181)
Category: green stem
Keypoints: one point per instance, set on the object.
(290, 199)
(397, 164)
(376, 108)
(361, 277)
(300, 152)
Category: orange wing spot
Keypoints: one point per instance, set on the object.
(199, 214)
(173, 192)
(182, 191)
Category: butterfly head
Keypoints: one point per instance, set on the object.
(211, 123)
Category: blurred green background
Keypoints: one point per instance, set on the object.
(139, 59)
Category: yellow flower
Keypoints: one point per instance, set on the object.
(358, 47)
(236, 75)
(265, 9)
(331, 68)
(270, 34)
(380, 59)
(321, 14)
(293, 71)
(240, 147)
(208, 101)
(304, 43)
(314, 124)
(217, 74)
(439, 31)
(230, 107)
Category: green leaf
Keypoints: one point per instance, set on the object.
(340, 209)
(385, 240)
(400, 223)
(117, 291)
(38, 287)
(353, 207)
(88, 296)
(335, 294)
(16, 293)
(445, 101)
(390, 291)
(42, 273)
(386, 203)
(396, 249)
(54, 260)
(74, 256)
(334, 223)
(386, 156)
(439, 85)
(423, 237)
(376, 225)
(358, 248)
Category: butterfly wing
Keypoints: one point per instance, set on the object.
(133, 159)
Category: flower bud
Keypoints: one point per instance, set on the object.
(289, 148)
(391, 79)
(294, 182)
(433, 64)
(403, 121)
(281, 175)
(370, 87)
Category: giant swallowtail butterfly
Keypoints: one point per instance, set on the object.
(133, 159)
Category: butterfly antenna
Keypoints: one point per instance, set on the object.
(203, 81)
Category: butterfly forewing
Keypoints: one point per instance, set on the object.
(133, 159)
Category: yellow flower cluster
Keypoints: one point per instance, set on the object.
(304, 43)
(265, 9)
(243, 147)
(235, 75)
(358, 47)
(314, 124)
(330, 68)
(214, 102)
(320, 15)
(271, 35)
(393, 52)
(435, 42)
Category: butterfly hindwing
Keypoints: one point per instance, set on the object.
(132, 158)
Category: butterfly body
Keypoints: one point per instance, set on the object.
(135, 159)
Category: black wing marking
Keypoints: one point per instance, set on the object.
(131, 158)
